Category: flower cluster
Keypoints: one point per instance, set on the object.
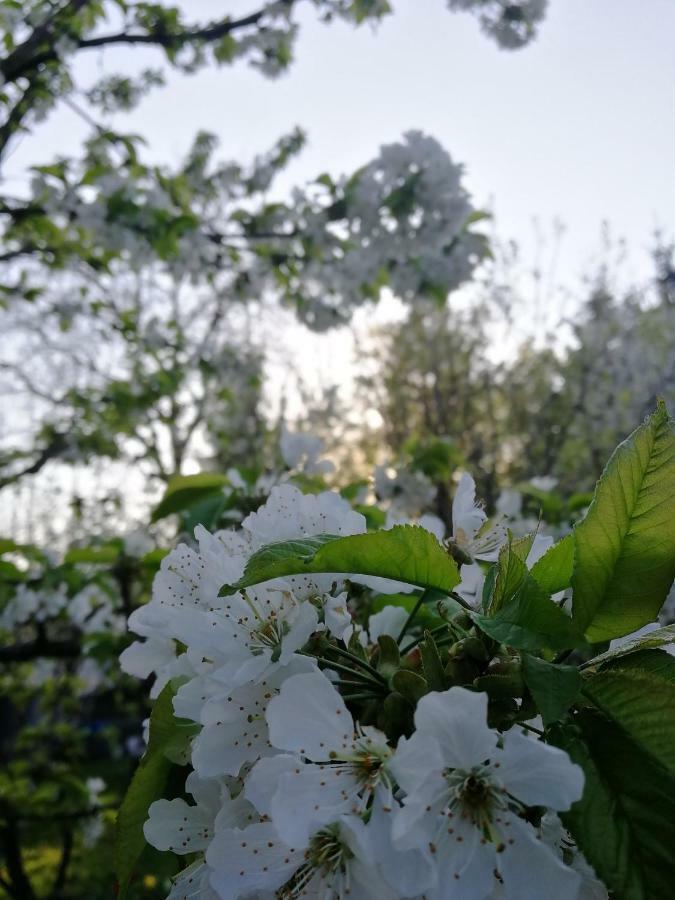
(310, 776)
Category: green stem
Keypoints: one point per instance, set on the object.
(439, 629)
(356, 660)
(408, 622)
(365, 678)
(461, 601)
(531, 728)
(361, 696)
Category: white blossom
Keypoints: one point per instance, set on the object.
(464, 787)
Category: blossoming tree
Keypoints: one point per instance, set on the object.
(468, 743)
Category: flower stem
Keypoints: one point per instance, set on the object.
(360, 696)
(531, 728)
(408, 622)
(356, 660)
(439, 629)
(365, 678)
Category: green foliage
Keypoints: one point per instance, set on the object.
(530, 620)
(638, 693)
(404, 553)
(656, 639)
(185, 491)
(625, 821)
(147, 785)
(510, 572)
(553, 687)
(553, 571)
(625, 547)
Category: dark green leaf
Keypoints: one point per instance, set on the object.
(185, 491)
(410, 685)
(625, 821)
(553, 687)
(434, 670)
(146, 786)
(638, 693)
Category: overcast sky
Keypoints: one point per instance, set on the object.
(578, 126)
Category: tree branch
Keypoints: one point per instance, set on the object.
(64, 862)
(22, 57)
(21, 887)
(53, 450)
(13, 67)
(40, 647)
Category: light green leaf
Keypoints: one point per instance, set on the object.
(183, 491)
(510, 572)
(625, 547)
(625, 821)
(530, 621)
(553, 687)
(553, 571)
(404, 553)
(108, 553)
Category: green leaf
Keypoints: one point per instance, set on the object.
(553, 687)
(434, 671)
(511, 571)
(625, 547)
(530, 621)
(410, 685)
(638, 693)
(404, 553)
(389, 656)
(660, 637)
(147, 785)
(184, 491)
(625, 821)
(553, 571)
(106, 554)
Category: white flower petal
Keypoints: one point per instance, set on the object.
(538, 774)
(249, 860)
(224, 747)
(176, 826)
(308, 797)
(389, 620)
(457, 720)
(263, 779)
(465, 864)
(527, 863)
(309, 717)
(467, 517)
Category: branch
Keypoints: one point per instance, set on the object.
(40, 647)
(64, 862)
(21, 887)
(16, 116)
(22, 56)
(53, 450)
(11, 69)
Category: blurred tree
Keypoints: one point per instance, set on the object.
(556, 406)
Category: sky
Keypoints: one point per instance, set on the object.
(576, 127)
